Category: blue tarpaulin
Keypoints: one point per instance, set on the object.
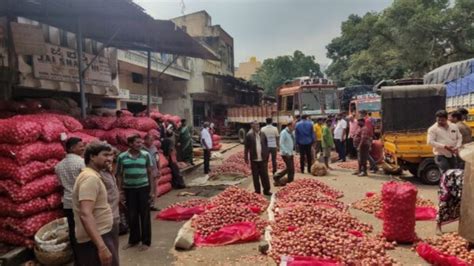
(451, 89)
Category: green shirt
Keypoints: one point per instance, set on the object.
(327, 139)
(134, 169)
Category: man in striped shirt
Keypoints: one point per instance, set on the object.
(134, 170)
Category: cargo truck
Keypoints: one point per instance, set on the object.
(316, 97)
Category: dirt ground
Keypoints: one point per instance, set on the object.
(354, 188)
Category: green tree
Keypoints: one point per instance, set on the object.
(407, 39)
(275, 71)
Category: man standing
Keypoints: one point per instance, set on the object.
(327, 142)
(155, 169)
(318, 132)
(256, 154)
(185, 143)
(92, 212)
(67, 170)
(465, 130)
(353, 126)
(305, 139)
(362, 141)
(340, 137)
(161, 128)
(134, 170)
(206, 143)
(271, 132)
(287, 147)
(446, 140)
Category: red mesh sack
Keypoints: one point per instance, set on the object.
(165, 170)
(123, 122)
(51, 126)
(157, 144)
(40, 187)
(98, 133)
(99, 122)
(7, 168)
(165, 179)
(163, 189)
(29, 226)
(34, 206)
(155, 133)
(163, 161)
(111, 136)
(85, 138)
(54, 200)
(126, 113)
(12, 238)
(37, 151)
(399, 205)
(123, 134)
(71, 124)
(35, 169)
(216, 138)
(143, 124)
(18, 130)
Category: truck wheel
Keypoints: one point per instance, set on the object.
(430, 174)
(242, 134)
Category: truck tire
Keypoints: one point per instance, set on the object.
(242, 133)
(429, 172)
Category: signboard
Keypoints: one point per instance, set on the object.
(61, 64)
(28, 39)
(142, 98)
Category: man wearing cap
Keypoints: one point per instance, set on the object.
(256, 154)
(67, 170)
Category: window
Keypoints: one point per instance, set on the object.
(137, 78)
(311, 101)
(289, 103)
(331, 100)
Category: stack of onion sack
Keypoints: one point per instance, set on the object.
(116, 130)
(399, 204)
(163, 183)
(30, 196)
(223, 225)
(216, 145)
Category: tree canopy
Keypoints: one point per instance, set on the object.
(275, 71)
(407, 39)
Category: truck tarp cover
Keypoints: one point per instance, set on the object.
(411, 108)
(450, 72)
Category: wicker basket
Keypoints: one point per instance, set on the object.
(58, 229)
(53, 258)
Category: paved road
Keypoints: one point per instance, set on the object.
(354, 188)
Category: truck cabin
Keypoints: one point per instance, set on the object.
(369, 103)
(316, 97)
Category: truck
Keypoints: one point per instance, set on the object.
(371, 103)
(404, 134)
(316, 97)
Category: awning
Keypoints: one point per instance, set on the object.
(101, 19)
(244, 85)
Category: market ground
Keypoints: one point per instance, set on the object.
(354, 188)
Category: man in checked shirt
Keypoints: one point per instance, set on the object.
(67, 170)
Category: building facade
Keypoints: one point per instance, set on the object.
(247, 69)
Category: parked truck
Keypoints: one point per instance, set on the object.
(316, 97)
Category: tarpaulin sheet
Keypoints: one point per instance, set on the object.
(399, 103)
(449, 72)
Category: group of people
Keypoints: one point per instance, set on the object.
(310, 140)
(451, 140)
(95, 179)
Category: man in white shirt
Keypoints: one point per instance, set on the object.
(340, 137)
(271, 132)
(446, 140)
(206, 142)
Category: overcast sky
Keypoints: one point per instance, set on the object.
(268, 28)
